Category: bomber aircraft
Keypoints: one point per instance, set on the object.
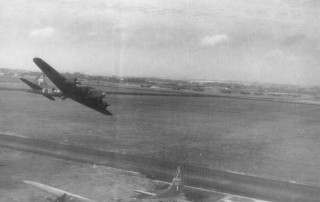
(40, 86)
(172, 194)
(85, 95)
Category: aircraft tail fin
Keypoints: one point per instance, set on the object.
(32, 85)
(174, 190)
(176, 185)
(41, 81)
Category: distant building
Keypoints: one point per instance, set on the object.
(245, 92)
(225, 90)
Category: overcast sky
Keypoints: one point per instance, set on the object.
(248, 40)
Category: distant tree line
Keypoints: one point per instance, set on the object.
(226, 87)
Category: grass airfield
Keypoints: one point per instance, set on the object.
(268, 139)
(100, 184)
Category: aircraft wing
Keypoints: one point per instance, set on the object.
(59, 194)
(51, 73)
(145, 193)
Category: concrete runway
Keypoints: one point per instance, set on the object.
(215, 180)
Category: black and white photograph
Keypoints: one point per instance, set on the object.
(159, 101)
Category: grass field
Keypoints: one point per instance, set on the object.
(269, 139)
(100, 184)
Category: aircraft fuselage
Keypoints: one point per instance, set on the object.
(85, 95)
(48, 91)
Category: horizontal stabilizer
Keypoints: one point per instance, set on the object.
(145, 193)
(32, 85)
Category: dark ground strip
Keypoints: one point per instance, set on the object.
(226, 182)
(181, 94)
